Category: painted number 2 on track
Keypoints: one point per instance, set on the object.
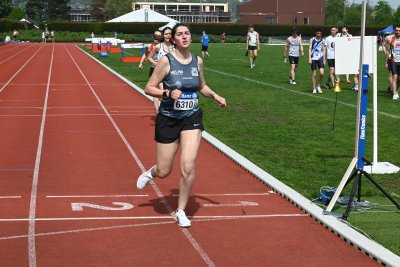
(119, 206)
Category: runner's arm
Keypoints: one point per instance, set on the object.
(160, 72)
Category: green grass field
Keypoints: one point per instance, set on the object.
(287, 131)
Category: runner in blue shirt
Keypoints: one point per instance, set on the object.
(204, 44)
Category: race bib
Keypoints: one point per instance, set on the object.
(317, 54)
(187, 101)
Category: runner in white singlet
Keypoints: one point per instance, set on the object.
(252, 45)
(295, 47)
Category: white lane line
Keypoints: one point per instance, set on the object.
(229, 194)
(23, 66)
(35, 180)
(195, 219)
(299, 92)
(88, 230)
(186, 232)
(231, 204)
(167, 217)
(94, 196)
(15, 55)
(6, 197)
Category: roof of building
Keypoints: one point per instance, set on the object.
(143, 15)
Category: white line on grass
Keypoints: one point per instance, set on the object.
(298, 92)
(35, 180)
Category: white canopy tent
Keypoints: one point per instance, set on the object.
(28, 21)
(142, 15)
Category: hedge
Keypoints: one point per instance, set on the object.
(141, 32)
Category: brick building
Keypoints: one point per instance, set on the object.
(289, 12)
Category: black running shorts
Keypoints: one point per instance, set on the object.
(396, 68)
(168, 129)
(317, 64)
(293, 60)
(390, 65)
(331, 63)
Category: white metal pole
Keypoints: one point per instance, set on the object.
(363, 16)
(375, 96)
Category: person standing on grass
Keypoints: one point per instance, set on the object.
(330, 55)
(179, 122)
(252, 46)
(204, 44)
(46, 36)
(395, 54)
(316, 60)
(295, 47)
(388, 60)
(164, 47)
(222, 38)
(15, 35)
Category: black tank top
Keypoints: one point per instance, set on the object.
(184, 77)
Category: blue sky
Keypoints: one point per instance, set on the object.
(393, 3)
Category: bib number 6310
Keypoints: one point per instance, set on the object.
(187, 101)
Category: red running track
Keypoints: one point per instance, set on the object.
(74, 138)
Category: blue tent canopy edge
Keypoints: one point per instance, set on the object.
(387, 30)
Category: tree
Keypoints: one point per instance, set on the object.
(96, 9)
(396, 17)
(353, 15)
(16, 13)
(113, 9)
(383, 13)
(5, 8)
(334, 12)
(58, 9)
(35, 9)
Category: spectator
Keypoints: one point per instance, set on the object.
(15, 35)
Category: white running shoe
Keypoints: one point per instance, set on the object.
(396, 97)
(181, 219)
(319, 90)
(294, 82)
(144, 179)
(314, 91)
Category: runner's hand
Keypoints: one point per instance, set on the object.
(221, 101)
(175, 93)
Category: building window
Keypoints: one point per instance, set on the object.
(271, 20)
(306, 20)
